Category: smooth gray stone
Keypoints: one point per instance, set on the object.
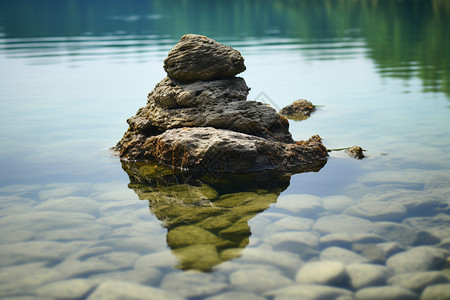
(371, 251)
(71, 204)
(152, 243)
(300, 204)
(59, 190)
(19, 189)
(342, 223)
(14, 200)
(118, 290)
(417, 282)
(87, 252)
(438, 226)
(390, 248)
(343, 255)
(28, 298)
(292, 241)
(258, 279)
(410, 176)
(405, 235)
(309, 291)
(436, 292)
(377, 211)
(35, 251)
(445, 244)
(337, 204)
(280, 259)
(87, 232)
(193, 284)
(104, 262)
(322, 272)
(236, 296)
(10, 237)
(24, 278)
(367, 275)
(163, 259)
(65, 289)
(420, 204)
(386, 293)
(289, 223)
(147, 276)
(346, 240)
(423, 258)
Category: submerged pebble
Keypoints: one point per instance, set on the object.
(258, 279)
(377, 211)
(65, 289)
(386, 293)
(193, 284)
(423, 258)
(342, 255)
(116, 290)
(367, 275)
(322, 272)
(418, 281)
(308, 248)
(436, 292)
(342, 223)
(309, 291)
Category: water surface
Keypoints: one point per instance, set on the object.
(74, 224)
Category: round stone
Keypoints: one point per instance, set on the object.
(196, 57)
(342, 223)
(322, 272)
(436, 292)
(386, 293)
(377, 211)
(367, 275)
(422, 258)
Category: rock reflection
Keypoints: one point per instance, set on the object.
(206, 215)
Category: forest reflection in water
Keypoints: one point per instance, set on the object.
(206, 214)
(405, 39)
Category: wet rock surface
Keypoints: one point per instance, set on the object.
(197, 57)
(198, 118)
(299, 110)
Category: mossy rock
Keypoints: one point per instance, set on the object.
(235, 199)
(185, 193)
(202, 257)
(183, 236)
(258, 204)
(237, 231)
(174, 215)
(231, 253)
(152, 169)
(219, 222)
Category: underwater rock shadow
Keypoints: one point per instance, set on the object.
(206, 214)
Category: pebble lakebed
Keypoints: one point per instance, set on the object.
(97, 241)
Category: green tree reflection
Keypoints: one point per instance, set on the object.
(405, 39)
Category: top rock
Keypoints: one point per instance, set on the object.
(196, 57)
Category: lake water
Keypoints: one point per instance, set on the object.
(72, 226)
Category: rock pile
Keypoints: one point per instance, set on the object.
(197, 118)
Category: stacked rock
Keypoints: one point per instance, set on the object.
(198, 118)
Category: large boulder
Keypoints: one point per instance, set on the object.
(207, 148)
(198, 118)
(197, 57)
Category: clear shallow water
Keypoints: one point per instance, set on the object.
(70, 225)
